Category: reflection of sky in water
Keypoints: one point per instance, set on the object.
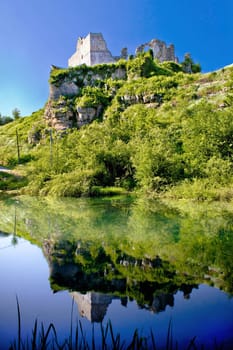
(24, 272)
(208, 314)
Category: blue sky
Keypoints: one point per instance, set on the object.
(37, 33)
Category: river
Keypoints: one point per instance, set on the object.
(140, 263)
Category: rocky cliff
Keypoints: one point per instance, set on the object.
(80, 94)
(63, 109)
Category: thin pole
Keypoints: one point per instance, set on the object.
(17, 143)
(51, 147)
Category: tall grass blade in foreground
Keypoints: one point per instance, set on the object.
(153, 340)
(116, 342)
(192, 344)
(71, 325)
(169, 344)
(93, 337)
(34, 335)
(46, 339)
(19, 324)
(45, 336)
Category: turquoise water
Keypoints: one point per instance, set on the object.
(136, 262)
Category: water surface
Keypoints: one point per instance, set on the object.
(138, 263)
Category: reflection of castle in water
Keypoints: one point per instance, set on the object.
(97, 280)
(92, 305)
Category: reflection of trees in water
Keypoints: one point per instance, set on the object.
(14, 240)
(152, 283)
(196, 239)
(94, 305)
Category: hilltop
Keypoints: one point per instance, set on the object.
(136, 125)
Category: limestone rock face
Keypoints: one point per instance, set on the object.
(34, 137)
(119, 73)
(59, 116)
(59, 111)
(154, 98)
(90, 78)
(67, 88)
(85, 115)
(66, 84)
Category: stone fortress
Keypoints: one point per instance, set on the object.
(93, 50)
(160, 50)
(90, 51)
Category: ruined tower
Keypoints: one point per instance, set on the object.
(91, 50)
(161, 51)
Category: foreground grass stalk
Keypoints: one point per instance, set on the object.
(47, 339)
(19, 324)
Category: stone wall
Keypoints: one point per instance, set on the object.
(91, 50)
(92, 305)
(160, 50)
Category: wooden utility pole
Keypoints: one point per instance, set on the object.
(17, 144)
(51, 147)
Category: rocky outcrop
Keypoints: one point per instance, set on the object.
(66, 88)
(59, 115)
(128, 100)
(91, 66)
(85, 115)
(60, 111)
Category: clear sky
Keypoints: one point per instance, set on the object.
(37, 33)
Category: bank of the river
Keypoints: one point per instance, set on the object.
(12, 181)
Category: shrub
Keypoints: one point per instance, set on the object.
(92, 97)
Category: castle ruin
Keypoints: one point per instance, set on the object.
(92, 305)
(161, 51)
(93, 50)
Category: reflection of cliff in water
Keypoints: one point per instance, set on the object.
(152, 283)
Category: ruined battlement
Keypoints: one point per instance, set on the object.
(93, 50)
(161, 51)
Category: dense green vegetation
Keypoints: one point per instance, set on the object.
(161, 131)
(10, 182)
(5, 119)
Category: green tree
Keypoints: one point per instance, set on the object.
(5, 119)
(16, 113)
(189, 66)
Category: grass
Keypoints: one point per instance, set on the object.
(11, 182)
(47, 339)
(201, 190)
(98, 191)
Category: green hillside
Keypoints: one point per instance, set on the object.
(158, 130)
